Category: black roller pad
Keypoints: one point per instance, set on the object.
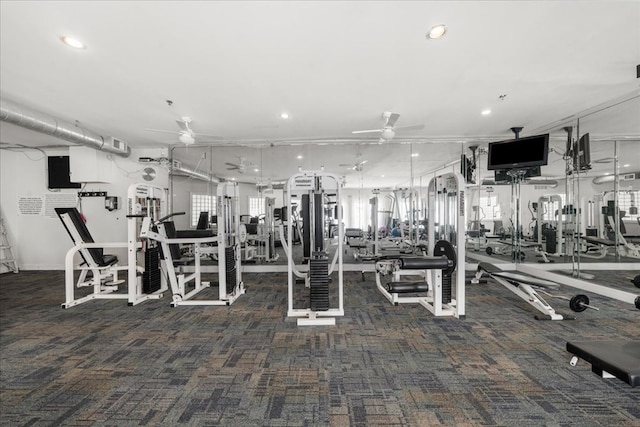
(407, 287)
(425, 263)
(619, 358)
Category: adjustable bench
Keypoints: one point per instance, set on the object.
(598, 244)
(619, 359)
(523, 286)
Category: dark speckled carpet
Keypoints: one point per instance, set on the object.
(106, 364)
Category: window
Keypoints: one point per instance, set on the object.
(489, 208)
(201, 203)
(627, 200)
(549, 209)
(256, 206)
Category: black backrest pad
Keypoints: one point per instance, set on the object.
(170, 229)
(203, 221)
(74, 215)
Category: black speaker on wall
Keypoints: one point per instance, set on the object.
(59, 173)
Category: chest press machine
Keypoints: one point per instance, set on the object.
(230, 282)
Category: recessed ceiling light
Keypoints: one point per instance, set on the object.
(256, 170)
(486, 112)
(381, 176)
(72, 42)
(415, 154)
(284, 116)
(437, 31)
(299, 156)
(626, 166)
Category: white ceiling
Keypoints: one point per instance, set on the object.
(234, 67)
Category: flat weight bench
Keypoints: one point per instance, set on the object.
(620, 359)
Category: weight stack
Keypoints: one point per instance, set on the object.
(230, 268)
(446, 288)
(319, 281)
(151, 276)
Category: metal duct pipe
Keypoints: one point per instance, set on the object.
(29, 118)
(611, 178)
(183, 170)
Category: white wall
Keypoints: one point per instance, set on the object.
(40, 242)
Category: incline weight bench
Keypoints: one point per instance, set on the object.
(609, 359)
(527, 288)
(435, 284)
(104, 268)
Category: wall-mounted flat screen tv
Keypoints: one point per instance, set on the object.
(519, 153)
(59, 173)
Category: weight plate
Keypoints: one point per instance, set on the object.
(445, 248)
(577, 303)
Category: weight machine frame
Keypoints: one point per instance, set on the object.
(306, 182)
(436, 189)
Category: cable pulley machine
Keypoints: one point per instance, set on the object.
(311, 189)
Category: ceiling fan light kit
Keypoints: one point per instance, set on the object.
(186, 138)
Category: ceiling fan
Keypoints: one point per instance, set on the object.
(357, 166)
(186, 135)
(241, 167)
(389, 129)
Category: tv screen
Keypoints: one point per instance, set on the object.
(59, 173)
(466, 169)
(519, 153)
(584, 152)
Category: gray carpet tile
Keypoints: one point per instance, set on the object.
(104, 363)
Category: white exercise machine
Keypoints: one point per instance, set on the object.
(312, 190)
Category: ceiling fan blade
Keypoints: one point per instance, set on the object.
(393, 118)
(184, 126)
(412, 127)
(162, 130)
(367, 131)
(232, 164)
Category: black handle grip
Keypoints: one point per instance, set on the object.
(164, 218)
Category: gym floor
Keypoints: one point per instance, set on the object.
(106, 364)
